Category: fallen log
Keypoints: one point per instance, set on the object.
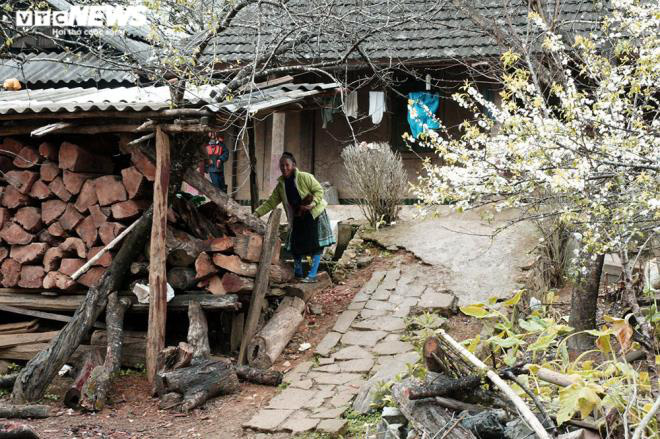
(96, 388)
(259, 376)
(442, 386)
(428, 417)
(268, 344)
(40, 370)
(24, 411)
(198, 383)
(73, 394)
(14, 430)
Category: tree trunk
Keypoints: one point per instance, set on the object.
(73, 395)
(584, 302)
(269, 343)
(39, 372)
(96, 389)
(24, 411)
(198, 383)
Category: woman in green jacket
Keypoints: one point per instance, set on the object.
(309, 226)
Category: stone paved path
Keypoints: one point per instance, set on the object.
(363, 349)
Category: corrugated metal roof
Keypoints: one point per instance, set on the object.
(63, 68)
(72, 100)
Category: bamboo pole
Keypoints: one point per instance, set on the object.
(525, 412)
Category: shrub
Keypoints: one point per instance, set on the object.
(377, 180)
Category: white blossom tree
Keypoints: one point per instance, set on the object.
(582, 148)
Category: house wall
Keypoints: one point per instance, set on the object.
(318, 149)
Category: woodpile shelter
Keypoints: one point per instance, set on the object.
(81, 166)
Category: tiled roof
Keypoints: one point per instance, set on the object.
(436, 30)
(55, 69)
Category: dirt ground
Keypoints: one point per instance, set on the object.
(135, 414)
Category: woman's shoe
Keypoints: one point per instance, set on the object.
(309, 280)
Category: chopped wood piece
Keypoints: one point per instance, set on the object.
(29, 218)
(199, 224)
(234, 264)
(91, 277)
(71, 218)
(57, 187)
(204, 266)
(12, 145)
(234, 283)
(442, 386)
(73, 181)
(268, 344)
(143, 164)
(56, 229)
(96, 213)
(32, 276)
(57, 280)
(4, 252)
(198, 333)
(259, 376)
(183, 248)
(51, 210)
(87, 198)
(13, 234)
(198, 383)
(69, 266)
(109, 190)
(73, 394)
(4, 216)
(181, 278)
(51, 240)
(17, 328)
(281, 272)
(248, 246)
(77, 159)
(6, 164)
(27, 158)
(12, 430)
(172, 358)
(104, 261)
(222, 244)
(12, 198)
(21, 180)
(134, 182)
(109, 231)
(129, 209)
(74, 245)
(87, 231)
(40, 190)
(11, 272)
(215, 285)
(52, 259)
(25, 254)
(48, 151)
(49, 171)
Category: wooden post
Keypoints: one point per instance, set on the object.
(158, 256)
(278, 137)
(254, 190)
(261, 282)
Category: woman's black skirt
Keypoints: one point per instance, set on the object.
(305, 235)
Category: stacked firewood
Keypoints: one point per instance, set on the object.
(62, 204)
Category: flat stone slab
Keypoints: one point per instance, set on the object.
(326, 413)
(332, 426)
(267, 420)
(326, 361)
(329, 368)
(384, 323)
(351, 353)
(356, 306)
(291, 398)
(363, 338)
(300, 422)
(414, 290)
(373, 282)
(393, 347)
(358, 365)
(302, 367)
(342, 399)
(444, 303)
(368, 392)
(367, 313)
(302, 384)
(381, 293)
(379, 305)
(344, 321)
(391, 278)
(332, 378)
(361, 297)
(328, 342)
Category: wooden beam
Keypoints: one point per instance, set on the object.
(254, 190)
(52, 128)
(11, 340)
(43, 315)
(158, 256)
(107, 129)
(277, 140)
(261, 282)
(167, 113)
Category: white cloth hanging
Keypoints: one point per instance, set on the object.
(376, 106)
(351, 105)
